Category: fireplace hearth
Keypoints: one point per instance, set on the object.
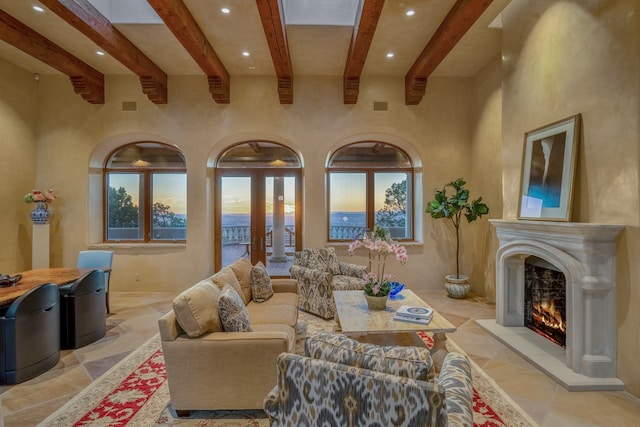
(584, 255)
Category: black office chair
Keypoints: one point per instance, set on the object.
(82, 316)
(30, 335)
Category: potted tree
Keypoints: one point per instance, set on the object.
(453, 206)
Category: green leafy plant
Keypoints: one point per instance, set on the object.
(453, 206)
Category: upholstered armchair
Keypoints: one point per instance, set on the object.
(319, 273)
(343, 382)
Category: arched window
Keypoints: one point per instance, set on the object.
(145, 194)
(370, 183)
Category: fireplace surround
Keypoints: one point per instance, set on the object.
(585, 254)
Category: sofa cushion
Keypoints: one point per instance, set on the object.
(196, 309)
(242, 270)
(233, 313)
(333, 263)
(227, 277)
(267, 312)
(284, 298)
(261, 289)
(409, 362)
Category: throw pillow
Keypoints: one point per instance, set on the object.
(227, 277)
(410, 362)
(261, 288)
(242, 270)
(233, 313)
(196, 309)
(333, 263)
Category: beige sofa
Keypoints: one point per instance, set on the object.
(226, 370)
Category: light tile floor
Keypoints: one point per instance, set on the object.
(134, 321)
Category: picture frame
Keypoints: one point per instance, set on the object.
(548, 170)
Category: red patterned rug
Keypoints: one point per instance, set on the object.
(135, 393)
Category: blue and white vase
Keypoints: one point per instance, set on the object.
(40, 215)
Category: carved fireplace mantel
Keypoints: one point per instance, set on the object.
(585, 254)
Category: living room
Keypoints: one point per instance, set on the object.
(556, 58)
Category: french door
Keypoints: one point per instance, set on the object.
(258, 217)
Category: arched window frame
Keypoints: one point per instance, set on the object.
(368, 172)
(157, 161)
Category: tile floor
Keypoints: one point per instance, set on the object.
(134, 321)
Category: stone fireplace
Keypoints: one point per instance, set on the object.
(585, 255)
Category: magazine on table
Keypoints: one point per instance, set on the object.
(418, 312)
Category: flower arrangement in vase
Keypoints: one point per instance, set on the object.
(379, 244)
(41, 214)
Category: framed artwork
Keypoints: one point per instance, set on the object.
(548, 170)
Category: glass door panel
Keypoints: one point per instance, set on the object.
(236, 240)
(280, 223)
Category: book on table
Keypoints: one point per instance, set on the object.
(403, 318)
(407, 313)
(412, 311)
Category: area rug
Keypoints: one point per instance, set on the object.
(135, 393)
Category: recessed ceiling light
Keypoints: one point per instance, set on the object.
(38, 8)
(390, 54)
(99, 53)
(225, 10)
(245, 53)
(411, 12)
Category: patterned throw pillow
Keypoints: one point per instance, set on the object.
(233, 313)
(261, 289)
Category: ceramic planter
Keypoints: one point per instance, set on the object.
(457, 286)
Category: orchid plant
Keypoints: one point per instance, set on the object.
(379, 244)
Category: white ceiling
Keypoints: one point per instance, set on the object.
(314, 49)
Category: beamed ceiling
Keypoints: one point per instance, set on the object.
(153, 39)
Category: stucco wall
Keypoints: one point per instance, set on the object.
(567, 57)
(486, 155)
(73, 137)
(18, 112)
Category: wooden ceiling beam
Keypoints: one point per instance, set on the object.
(275, 32)
(361, 38)
(87, 81)
(183, 25)
(460, 18)
(89, 21)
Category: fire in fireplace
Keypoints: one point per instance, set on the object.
(545, 300)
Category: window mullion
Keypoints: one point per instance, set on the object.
(371, 214)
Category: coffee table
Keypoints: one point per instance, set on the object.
(356, 320)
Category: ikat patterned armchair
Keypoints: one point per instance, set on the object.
(342, 382)
(319, 273)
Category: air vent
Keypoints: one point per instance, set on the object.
(129, 106)
(380, 106)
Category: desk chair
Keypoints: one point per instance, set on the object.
(82, 316)
(30, 335)
(98, 259)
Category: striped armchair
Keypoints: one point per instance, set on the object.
(319, 273)
(343, 382)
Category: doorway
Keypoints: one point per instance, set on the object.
(257, 213)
